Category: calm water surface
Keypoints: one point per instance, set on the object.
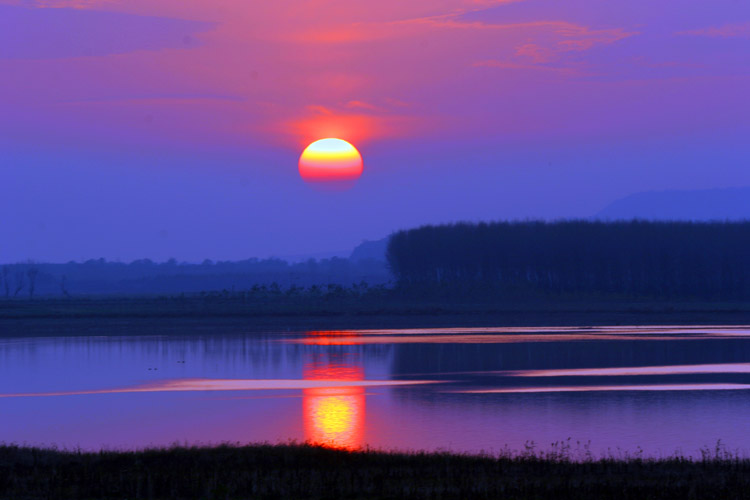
(663, 389)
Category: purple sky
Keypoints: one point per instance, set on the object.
(172, 128)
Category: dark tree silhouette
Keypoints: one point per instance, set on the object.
(636, 258)
(6, 281)
(144, 276)
(32, 273)
(64, 285)
(20, 282)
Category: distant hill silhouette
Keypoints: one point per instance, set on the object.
(699, 205)
(370, 250)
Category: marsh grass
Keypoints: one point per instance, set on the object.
(565, 471)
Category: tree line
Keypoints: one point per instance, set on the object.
(706, 260)
(98, 276)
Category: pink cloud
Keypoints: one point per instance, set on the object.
(60, 4)
(536, 53)
(529, 67)
(362, 105)
(741, 30)
(295, 69)
(321, 110)
(579, 38)
(355, 128)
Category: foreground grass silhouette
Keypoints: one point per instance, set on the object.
(303, 471)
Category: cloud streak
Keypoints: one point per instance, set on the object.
(76, 32)
(740, 30)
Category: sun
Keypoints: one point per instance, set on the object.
(330, 160)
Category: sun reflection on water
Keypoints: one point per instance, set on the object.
(334, 416)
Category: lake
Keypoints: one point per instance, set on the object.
(620, 390)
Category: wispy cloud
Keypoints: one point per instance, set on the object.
(60, 4)
(362, 105)
(66, 32)
(533, 67)
(740, 30)
(535, 52)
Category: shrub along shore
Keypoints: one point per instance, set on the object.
(304, 471)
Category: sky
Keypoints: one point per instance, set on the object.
(172, 128)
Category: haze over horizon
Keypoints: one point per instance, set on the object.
(172, 129)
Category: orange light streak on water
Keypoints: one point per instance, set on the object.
(639, 370)
(509, 335)
(332, 337)
(610, 388)
(210, 385)
(470, 339)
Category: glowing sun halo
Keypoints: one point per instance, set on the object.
(330, 160)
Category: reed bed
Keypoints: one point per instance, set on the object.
(312, 472)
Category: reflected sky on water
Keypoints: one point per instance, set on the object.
(664, 389)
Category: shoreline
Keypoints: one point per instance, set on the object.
(306, 471)
(170, 316)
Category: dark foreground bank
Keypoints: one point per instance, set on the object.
(265, 471)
